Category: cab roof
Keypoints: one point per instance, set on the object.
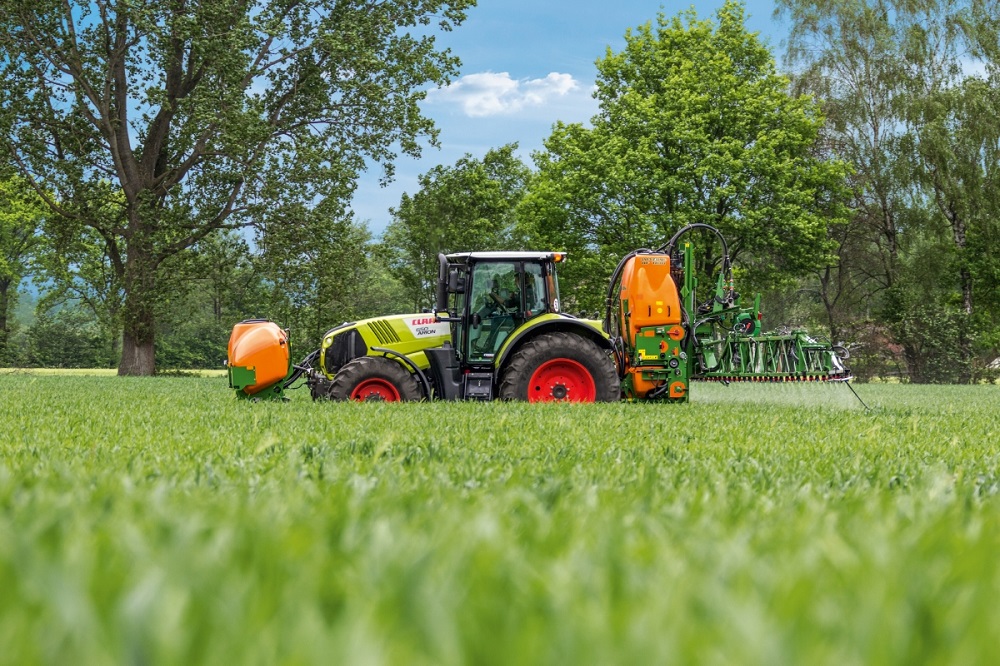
(474, 257)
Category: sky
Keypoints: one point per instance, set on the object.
(525, 65)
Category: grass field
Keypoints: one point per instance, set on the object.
(161, 521)
(97, 372)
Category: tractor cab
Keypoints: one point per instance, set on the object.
(489, 295)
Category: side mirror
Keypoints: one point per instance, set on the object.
(456, 281)
(442, 285)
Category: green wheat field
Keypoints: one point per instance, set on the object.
(147, 521)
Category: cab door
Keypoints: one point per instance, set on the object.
(496, 308)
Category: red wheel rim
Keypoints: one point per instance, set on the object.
(375, 389)
(561, 380)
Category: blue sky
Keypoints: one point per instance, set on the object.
(525, 65)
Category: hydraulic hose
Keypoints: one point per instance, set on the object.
(302, 367)
(669, 245)
(727, 267)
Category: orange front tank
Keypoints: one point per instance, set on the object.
(260, 346)
(651, 293)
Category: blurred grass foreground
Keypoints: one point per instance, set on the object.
(162, 521)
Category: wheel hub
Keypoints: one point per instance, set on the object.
(561, 380)
(375, 390)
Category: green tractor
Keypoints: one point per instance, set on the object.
(498, 332)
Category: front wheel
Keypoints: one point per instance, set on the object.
(374, 378)
(561, 367)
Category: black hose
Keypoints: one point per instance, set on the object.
(618, 349)
(669, 245)
(302, 367)
(727, 267)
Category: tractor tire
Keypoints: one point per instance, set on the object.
(374, 378)
(560, 367)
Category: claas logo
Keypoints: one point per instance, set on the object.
(423, 321)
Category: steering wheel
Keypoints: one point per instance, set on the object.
(498, 304)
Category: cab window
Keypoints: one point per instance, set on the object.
(534, 291)
(494, 308)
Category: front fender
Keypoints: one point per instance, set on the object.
(408, 335)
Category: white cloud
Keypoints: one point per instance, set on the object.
(496, 93)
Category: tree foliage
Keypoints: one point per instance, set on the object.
(468, 206)
(76, 265)
(66, 337)
(695, 125)
(326, 275)
(21, 215)
(922, 129)
(208, 115)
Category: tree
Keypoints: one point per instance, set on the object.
(75, 266)
(468, 206)
(695, 125)
(957, 140)
(21, 214)
(225, 269)
(317, 276)
(849, 60)
(208, 114)
(217, 283)
(924, 138)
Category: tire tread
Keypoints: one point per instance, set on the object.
(549, 346)
(374, 367)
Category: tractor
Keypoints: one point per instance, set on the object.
(498, 331)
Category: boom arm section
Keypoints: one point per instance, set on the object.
(664, 337)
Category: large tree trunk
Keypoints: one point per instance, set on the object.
(137, 356)
(139, 328)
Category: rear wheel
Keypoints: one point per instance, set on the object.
(374, 378)
(561, 367)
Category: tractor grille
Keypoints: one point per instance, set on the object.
(383, 332)
(346, 346)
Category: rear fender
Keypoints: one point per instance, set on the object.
(550, 323)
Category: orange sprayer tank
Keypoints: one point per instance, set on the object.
(651, 294)
(261, 347)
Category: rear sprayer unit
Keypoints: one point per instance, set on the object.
(498, 332)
